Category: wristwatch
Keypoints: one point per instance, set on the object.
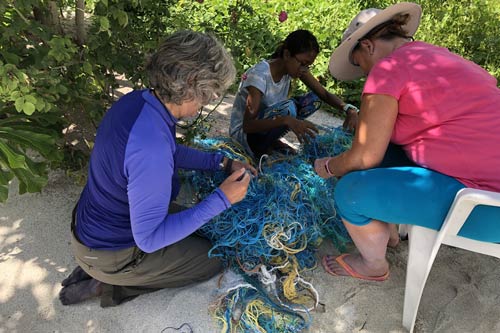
(226, 167)
(350, 106)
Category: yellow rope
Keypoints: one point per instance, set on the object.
(290, 289)
(276, 238)
(254, 310)
(234, 151)
(295, 192)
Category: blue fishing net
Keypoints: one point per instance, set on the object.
(287, 212)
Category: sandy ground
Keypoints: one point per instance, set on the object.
(462, 293)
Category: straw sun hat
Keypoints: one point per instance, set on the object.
(340, 66)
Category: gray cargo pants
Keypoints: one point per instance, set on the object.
(131, 272)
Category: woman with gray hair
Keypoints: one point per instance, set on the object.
(128, 236)
(428, 127)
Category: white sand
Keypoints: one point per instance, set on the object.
(462, 293)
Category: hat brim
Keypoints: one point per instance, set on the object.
(341, 68)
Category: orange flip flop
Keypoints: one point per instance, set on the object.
(349, 270)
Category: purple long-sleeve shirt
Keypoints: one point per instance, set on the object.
(133, 178)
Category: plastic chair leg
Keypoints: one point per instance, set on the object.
(420, 260)
(403, 231)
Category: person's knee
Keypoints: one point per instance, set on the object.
(307, 105)
(198, 246)
(350, 198)
(284, 108)
(345, 192)
(214, 267)
(203, 266)
(288, 108)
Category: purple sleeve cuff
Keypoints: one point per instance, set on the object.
(221, 194)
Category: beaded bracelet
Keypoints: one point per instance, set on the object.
(328, 171)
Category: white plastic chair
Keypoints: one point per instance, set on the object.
(424, 244)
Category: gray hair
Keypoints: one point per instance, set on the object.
(189, 66)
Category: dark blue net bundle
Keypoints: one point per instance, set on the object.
(272, 235)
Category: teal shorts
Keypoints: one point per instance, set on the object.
(409, 195)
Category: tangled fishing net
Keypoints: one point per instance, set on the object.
(268, 240)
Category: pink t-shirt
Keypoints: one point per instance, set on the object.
(449, 112)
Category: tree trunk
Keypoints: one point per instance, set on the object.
(81, 33)
(54, 17)
(49, 16)
(39, 15)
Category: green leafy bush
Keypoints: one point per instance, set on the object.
(48, 73)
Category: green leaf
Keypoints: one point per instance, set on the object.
(19, 104)
(5, 176)
(29, 181)
(104, 23)
(54, 53)
(4, 193)
(62, 89)
(30, 98)
(29, 108)
(32, 176)
(22, 77)
(87, 67)
(43, 143)
(10, 57)
(40, 104)
(12, 84)
(12, 158)
(15, 95)
(122, 18)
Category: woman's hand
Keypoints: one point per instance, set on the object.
(236, 165)
(323, 169)
(303, 129)
(235, 188)
(351, 120)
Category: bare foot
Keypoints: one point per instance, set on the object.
(77, 275)
(80, 291)
(354, 265)
(394, 235)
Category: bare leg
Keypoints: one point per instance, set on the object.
(77, 275)
(371, 241)
(80, 291)
(394, 235)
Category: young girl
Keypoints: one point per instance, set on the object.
(262, 111)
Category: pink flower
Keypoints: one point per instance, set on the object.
(243, 76)
(283, 16)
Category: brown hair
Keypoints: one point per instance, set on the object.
(390, 29)
(387, 30)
